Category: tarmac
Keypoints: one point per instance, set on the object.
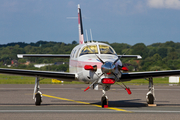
(69, 101)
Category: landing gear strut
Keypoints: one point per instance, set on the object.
(37, 95)
(104, 100)
(150, 96)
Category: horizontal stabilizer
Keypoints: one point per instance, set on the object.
(130, 56)
(44, 55)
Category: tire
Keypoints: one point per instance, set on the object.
(103, 101)
(38, 99)
(150, 99)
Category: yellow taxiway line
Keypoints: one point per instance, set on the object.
(111, 108)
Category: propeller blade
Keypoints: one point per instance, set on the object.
(100, 59)
(128, 91)
(86, 88)
(96, 55)
(115, 61)
(93, 82)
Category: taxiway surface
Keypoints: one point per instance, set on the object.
(71, 102)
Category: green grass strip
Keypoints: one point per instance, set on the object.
(11, 79)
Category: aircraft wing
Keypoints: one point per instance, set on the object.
(44, 74)
(44, 55)
(149, 74)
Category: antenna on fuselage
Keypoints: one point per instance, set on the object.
(91, 36)
(86, 35)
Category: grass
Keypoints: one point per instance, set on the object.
(11, 79)
(161, 80)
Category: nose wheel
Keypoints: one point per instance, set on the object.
(104, 100)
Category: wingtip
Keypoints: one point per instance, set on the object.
(20, 56)
(139, 57)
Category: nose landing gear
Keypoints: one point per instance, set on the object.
(104, 100)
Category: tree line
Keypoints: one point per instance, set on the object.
(157, 56)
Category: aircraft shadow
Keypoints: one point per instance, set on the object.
(119, 103)
(125, 103)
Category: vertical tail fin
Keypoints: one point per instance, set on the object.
(80, 26)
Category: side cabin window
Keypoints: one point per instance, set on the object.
(104, 49)
(77, 53)
(72, 53)
(91, 49)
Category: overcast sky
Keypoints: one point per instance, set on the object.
(122, 21)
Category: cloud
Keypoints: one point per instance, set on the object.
(168, 4)
(124, 6)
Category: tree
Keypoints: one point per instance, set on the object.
(74, 42)
(162, 52)
(140, 49)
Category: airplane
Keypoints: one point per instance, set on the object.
(91, 62)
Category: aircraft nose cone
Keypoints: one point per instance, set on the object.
(108, 67)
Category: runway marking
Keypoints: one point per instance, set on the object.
(83, 111)
(53, 111)
(111, 108)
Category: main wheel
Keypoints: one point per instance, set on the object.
(150, 99)
(104, 101)
(38, 99)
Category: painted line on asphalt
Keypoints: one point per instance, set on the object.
(60, 111)
(84, 111)
(86, 103)
(154, 111)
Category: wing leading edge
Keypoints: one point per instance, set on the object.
(44, 74)
(149, 74)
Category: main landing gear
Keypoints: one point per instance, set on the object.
(150, 96)
(37, 95)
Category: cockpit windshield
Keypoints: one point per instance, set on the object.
(91, 49)
(104, 49)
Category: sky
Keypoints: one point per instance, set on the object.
(121, 21)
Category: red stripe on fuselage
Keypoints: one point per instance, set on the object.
(81, 64)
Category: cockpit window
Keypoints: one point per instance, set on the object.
(104, 49)
(91, 49)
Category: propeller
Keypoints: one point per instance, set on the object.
(107, 67)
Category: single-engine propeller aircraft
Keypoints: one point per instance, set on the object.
(92, 62)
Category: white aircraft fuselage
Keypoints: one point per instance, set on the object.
(80, 57)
